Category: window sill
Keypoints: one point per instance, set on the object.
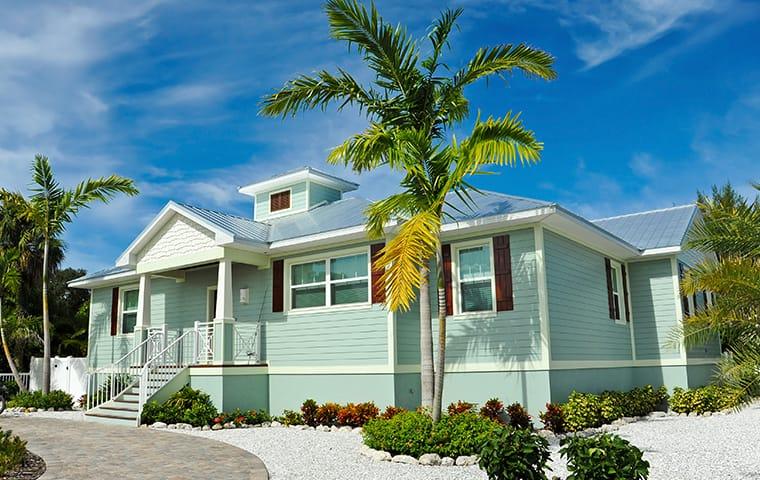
(621, 322)
(473, 315)
(354, 307)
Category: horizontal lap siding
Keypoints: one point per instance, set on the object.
(297, 200)
(653, 302)
(179, 305)
(501, 337)
(319, 193)
(104, 349)
(580, 324)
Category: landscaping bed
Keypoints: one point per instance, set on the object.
(31, 468)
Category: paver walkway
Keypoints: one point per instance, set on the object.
(90, 451)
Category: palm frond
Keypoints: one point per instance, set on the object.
(395, 207)
(439, 37)
(307, 92)
(389, 51)
(505, 58)
(499, 141)
(405, 255)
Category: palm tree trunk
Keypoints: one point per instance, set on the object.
(45, 321)
(440, 366)
(8, 356)
(427, 381)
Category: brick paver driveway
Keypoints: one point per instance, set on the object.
(75, 450)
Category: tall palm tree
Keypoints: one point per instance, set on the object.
(10, 280)
(731, 229)
(52, 208)
(412, 107)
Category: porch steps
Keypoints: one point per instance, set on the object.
(122, 410)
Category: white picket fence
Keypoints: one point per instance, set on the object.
(8, 377)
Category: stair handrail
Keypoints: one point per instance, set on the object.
(106, 383)
(160, 360)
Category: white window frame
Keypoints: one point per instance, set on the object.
(455, 283)
(617, 270)
(284, 210)
(328, 282)
(122, 292)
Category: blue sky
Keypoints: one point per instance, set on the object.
(655, 99)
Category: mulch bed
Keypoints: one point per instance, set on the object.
(31, 468)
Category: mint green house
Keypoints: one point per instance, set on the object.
(266, 311)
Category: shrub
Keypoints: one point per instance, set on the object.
(391, 411)
(12, 451)
(327, 414)
(553, 418)
(11, 388)
(586, 410)
(356, 415)
(518, 416)
(185, 406)
(55, 399)
(460, 407)
(711, 398)
(582, 411)
(493, 410)
(462, 434)
(611, 406)
(515, 454)
(289, 417)
(407, 433)
(309, 411)
(603, 457)
(643, 400)
(257, 417)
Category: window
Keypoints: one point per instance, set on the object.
(279, 201)
(333, 281)
(475, 279)
(129, 310)
(617, 292)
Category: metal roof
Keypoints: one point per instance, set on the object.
(345, 213)
(488, 204)
(241, 228)
(666, 227)
(104, 273)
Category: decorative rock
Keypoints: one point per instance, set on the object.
(380, 456)
(158, 425)
(358, 430)
(206, 428)
(31, 409)
(466, 460)
(693, 414)
(51, 409)
(608, 428)
(334, 428)
(405, 459)
(217, 426)
(275, 424)
(707, 414)
(629, 419)
(172, 426)
(431, 459)
(547, 434)
(196, 429)
(447, 462)
(657, 414)
(345, 429)
(619, 422)
(266, 424)
(682, 414)
(323, 428)
(59, 409)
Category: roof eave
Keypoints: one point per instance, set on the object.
(301, 175)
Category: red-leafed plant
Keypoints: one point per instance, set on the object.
(460, 407)
(518, 416)
(391, 411)
(309, 410)
(553, 418)
(356, 415)
(494, 410)
(327, 414)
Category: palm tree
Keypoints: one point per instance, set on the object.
(52, 208)
(731, 229)
(10, 280)
(411, 108)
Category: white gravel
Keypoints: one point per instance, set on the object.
(678, 448)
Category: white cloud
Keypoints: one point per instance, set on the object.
(644, 165)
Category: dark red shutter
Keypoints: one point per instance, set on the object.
(446, 254)
(114, 311)
(502, 258)
(278, 279)
(610, 297)
(279, 201)
(378, 289)
(625, 294)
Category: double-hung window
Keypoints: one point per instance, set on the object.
(475, 278)
(340, 280)
(617, 292)
(129, 299)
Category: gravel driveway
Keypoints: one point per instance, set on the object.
(678, 448)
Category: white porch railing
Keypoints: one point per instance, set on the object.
(106, 383)
(8, 377)
(246, 342)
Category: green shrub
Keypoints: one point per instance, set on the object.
(512, 454)
(185, 406)
(455, 408)
(11, 388)
(289, 417)
(257, 417)
(587, 410)
(612, 406)
(711, 398)
(518, 416)
(391, 411)
(643, 400)
(55, 399)
(461, 434)
(407, 433)
(12, 451)
(493, 410)
(603, 457)
(553, 418)
(327, 414)
(309, 410)
(582, 410)
(356, 415)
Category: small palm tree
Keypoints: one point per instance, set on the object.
(10, 281)
(52, 208)
(731, 229)
(412, 107)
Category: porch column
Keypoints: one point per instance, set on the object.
(224, 315)
(143, 311)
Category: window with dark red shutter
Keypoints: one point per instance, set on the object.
(625, 294)
(278, 280)
(502, 258)
(279, 201)
(610, 294)
(114, 311)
